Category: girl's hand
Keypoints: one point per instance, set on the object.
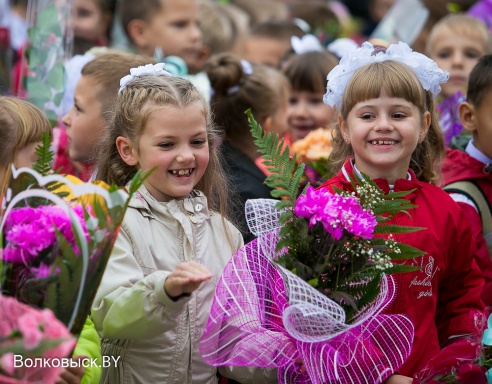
(186, 278)
(72, 375)
(398, 379)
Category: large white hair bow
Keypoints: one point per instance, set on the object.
(427, 71)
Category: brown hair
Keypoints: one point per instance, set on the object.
(277, 29)
(461, 24)
(308, 71)
(106, 70)
(130, 10)
(134, 106)
(21, 124)
(480, 81)
(393, 79)
(235, 91)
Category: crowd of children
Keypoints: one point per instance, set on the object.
(387, 120)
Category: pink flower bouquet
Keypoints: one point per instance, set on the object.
(57, 235)
(30, 341)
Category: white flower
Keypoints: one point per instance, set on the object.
(308, 43)
(144, 70)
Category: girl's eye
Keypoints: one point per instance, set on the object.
(165, 145)
(198, 143)
(77, 108)
(366, 116)
(398, 115)
(293, 100)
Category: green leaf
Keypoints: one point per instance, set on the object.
(396, 229)
(45, 156)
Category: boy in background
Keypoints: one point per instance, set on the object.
(170, 26)
(94, 94)
(269, 42)
(468, 172)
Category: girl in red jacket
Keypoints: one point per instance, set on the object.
(388, 129)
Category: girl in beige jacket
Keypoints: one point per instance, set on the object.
(156, 292)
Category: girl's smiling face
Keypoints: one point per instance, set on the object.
(307, 112)
(383, 133)
(175, 142)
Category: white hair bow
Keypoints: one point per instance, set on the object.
(144, 70)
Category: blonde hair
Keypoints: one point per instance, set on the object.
(21, 124)
(462, 25)
(393, 79)
(134, 106)
(217, 27)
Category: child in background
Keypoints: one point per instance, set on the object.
(456, 43)
(94, 95)
(387, 129)
(218, 31)
(22, 126)
(92, 20)
(472, 164)
(170, 26)
(306, 73)
(155, 295)
(269, 41)
(238, 85)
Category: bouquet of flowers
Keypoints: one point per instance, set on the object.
(32, 334)
(57, 235)
(311, 289)
(314, 151)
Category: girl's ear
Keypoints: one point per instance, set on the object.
(125, 149)
(467, 113)
(426, 123)
(344, 129)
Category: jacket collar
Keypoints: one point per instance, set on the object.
(196, 205)
(401, 185)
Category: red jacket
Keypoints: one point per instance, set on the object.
(459, 166)
(448, 270)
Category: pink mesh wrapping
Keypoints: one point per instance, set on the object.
(264, 316)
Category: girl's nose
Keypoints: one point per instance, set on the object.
(185, 155)
(66, 119)
(298, 109)
(383, 123)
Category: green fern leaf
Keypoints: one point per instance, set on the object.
(45, 156)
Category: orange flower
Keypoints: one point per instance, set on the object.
(315, 146)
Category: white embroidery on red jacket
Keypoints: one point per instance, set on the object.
(425, 282)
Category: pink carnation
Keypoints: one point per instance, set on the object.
(336, 213)
(31, 332)
(7, 363)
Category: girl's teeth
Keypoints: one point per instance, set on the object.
(382, 142)
(181, 172)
